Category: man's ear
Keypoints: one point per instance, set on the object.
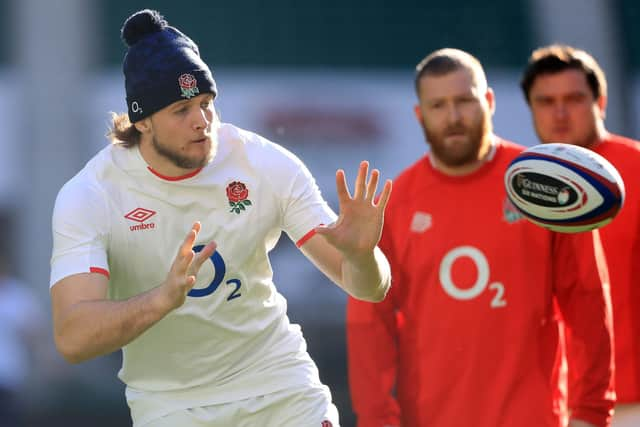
(491, 100)
(143, 126)
(418, 112)
(602, 106)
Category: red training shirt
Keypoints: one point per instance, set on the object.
(621, 242)
(469, 334)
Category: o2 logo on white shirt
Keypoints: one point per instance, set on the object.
(220, 269)
(482, 267)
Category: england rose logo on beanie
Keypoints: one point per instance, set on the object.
(188, 85)
(238, 195)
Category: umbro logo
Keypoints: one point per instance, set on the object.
(140, 215)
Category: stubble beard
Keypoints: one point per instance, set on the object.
(183, 161)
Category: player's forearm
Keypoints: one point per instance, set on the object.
(367, 278)
(94, 328)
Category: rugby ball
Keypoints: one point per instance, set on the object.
(564, 187)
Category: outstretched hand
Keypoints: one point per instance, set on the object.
(359, 225)
(185, 267)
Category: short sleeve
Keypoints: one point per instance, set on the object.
(301, 203)
(79, 227)
(304, 207)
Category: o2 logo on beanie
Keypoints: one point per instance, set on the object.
(188, 85)
(136, 108)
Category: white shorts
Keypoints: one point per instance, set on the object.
(626, 415)
(310, 406)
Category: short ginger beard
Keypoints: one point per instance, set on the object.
(180, 160)
(476, 134)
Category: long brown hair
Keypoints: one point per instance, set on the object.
(122, 131)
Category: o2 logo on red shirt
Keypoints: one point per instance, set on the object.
(482, 267)
(220, 270)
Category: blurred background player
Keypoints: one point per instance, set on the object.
(469, 334)
(205, 336)
(567, 93)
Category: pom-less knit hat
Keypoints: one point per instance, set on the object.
(161, 66)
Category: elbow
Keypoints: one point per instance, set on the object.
(370, 298)
(384, 284)
(71, 353)
(372, 285)
(377, 296)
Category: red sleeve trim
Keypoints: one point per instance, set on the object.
(306, 237)
(99, 271)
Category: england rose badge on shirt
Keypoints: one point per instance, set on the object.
(238, 195)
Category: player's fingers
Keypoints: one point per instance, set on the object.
(190, 282)
(185, 254)
(341, 187)
(361, 180)
(384, 196)
(372, 185)
(182, 263)
(202, 256)
(187, 243)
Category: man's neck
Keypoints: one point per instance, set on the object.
(600, 135)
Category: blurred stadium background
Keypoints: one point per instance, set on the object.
(331, 80)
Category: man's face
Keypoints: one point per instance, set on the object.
(564, 108)
(185, 132)
(455, 116)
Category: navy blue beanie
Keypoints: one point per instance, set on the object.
(161, 66)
